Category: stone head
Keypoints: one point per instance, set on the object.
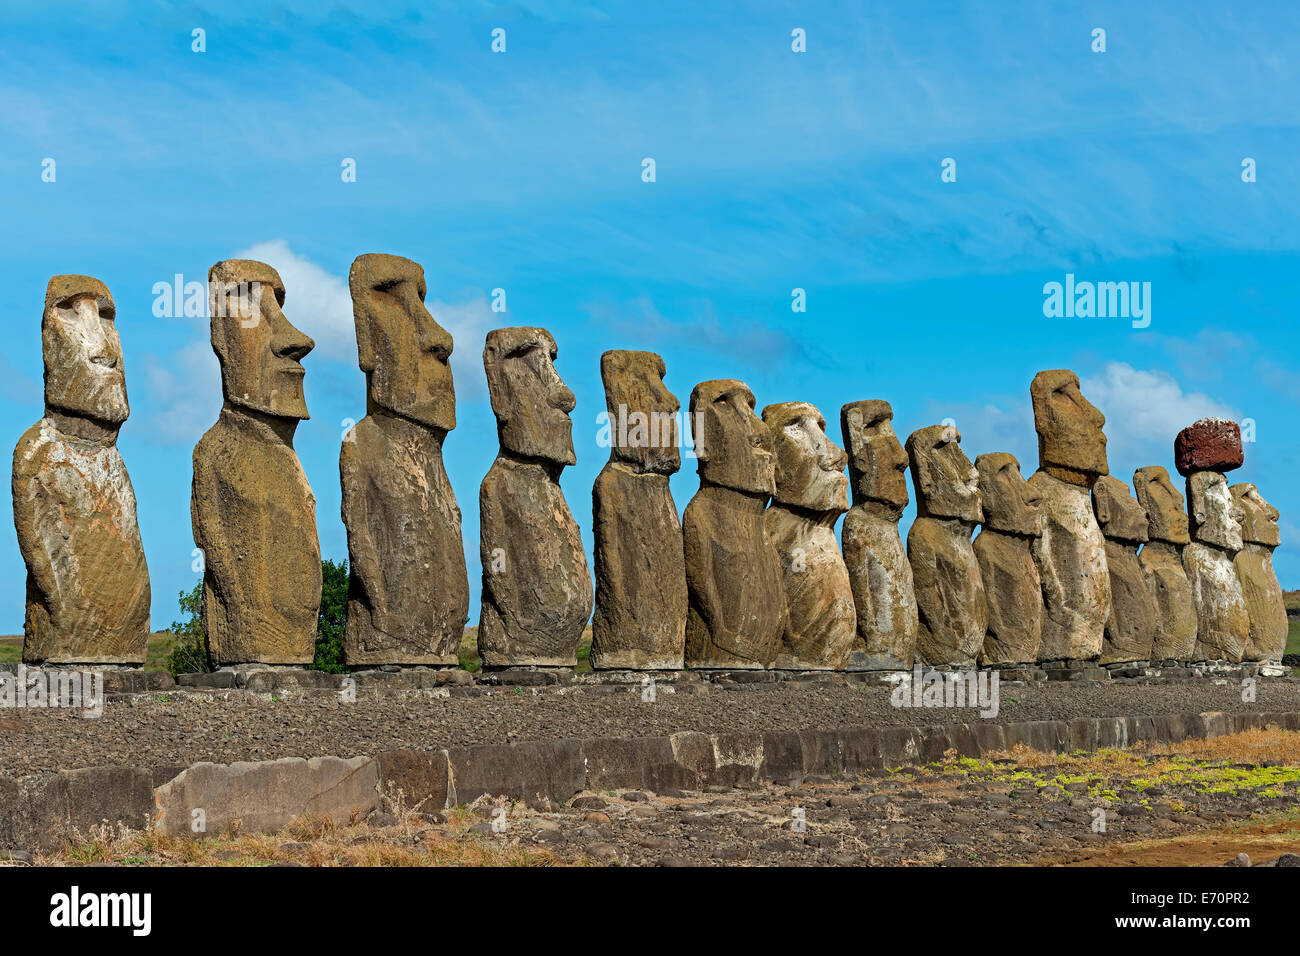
(531, 402)
(809, 466)
(734, 447)
(1071, 444)
(1010, 503)
(260, 351)
(1119, 515)
(1216, 516)
(947, 484)
(877, 461)
(1259, 518)
(1166, 515)
(643, 414)
(84, 375)
(404, 352)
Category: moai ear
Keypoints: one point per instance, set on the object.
(364, 320)
(496, 382)
(1101, 505)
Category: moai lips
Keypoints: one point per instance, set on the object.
(811, 493)
(74, 508)
(408, 592)
(737, 612)
(879, 572)
(1013, 520)
(950, 597)
(253, 512)
(1211, 444)
(1134, 621)
(1223, 620)
(1259, 585)
(640, 618)
(537, 592)
(1162, 562)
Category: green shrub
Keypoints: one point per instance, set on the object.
(190, 655)
(333, 616)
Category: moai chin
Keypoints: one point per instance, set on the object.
(1162, 562)
(1134, 621)
(1071, 554)
(812, 492)
(1203, 452)
(1259, 585)
(408, 589)
(1013, 521)
(640, 618)
(950, 598)
(879, 572)
(253, 512)
(537, 592)
(737, 613)
(74, 508)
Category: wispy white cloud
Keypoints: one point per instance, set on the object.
(315, 300)
(182, 394)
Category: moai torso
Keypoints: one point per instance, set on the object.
(1260, 589)
(1071, 554)
(950, 597)
(811, 493)
(253, 512)
(640, 617)
(537, 593)
(737, 614)
(1133, 623)
(1003, 549)
(880, 576)
(1161, 559)
(408, 589)
(74, 509)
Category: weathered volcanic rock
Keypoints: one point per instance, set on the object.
(537, 592)
(737, 610)
(640, 618)
(1211, 444)
(812, 491)
(408, 589)
(74, 509)
(1003, 548)
(879, 572)
(1259, 585)
(950, 597)
(253, 512)
(1133, 625)
(1223, 620)
(1162, 562)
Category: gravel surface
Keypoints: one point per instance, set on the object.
(175, 728)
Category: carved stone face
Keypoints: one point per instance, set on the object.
(1009, 502)
(403, 351)
(529, 399)
(1216, 517)
(1259, 518)
(259, 350)
(1119, 515)
(1071, 444)
(735, 447)
(877, 461)
(1166, 516)
(809, 466)
(84, 375)
(947, 484)
(643, 414)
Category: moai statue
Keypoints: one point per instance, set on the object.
(1013, 521)
(537, 591)
(950, 598)
(1162, 562)
(1202, 453)
(812, 492)
(74, 509)
(253, 513)
(737, 611)
(1134, 620)
(1071, 554)
(879, 572)
(1259, 584)
(408, 590)
(640, 619)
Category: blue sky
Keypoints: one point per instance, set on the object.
(774, 170)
